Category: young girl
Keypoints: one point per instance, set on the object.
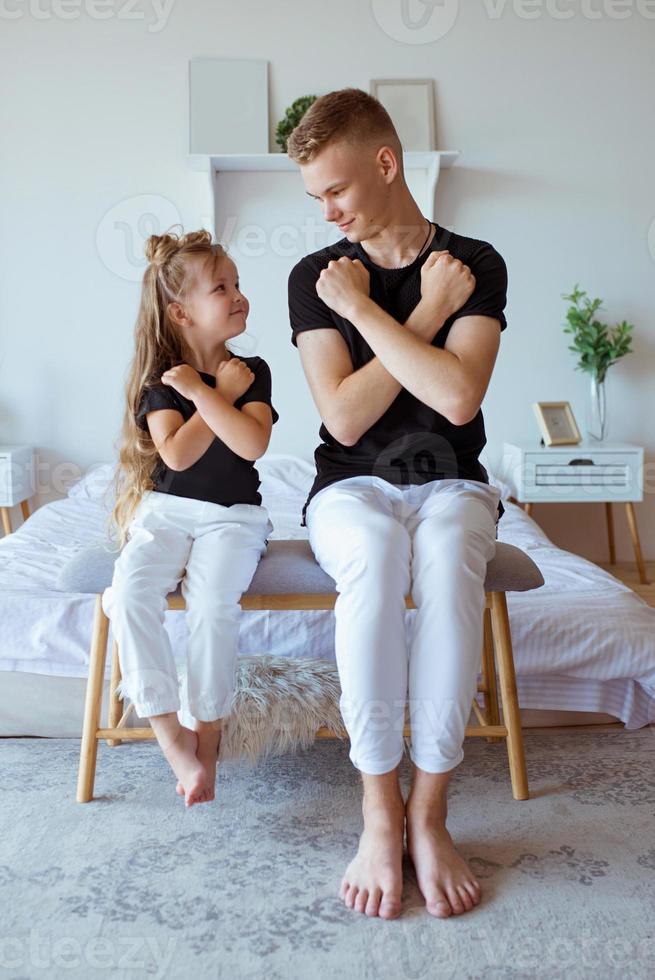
(187, 506)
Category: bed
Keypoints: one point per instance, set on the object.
(584, 643)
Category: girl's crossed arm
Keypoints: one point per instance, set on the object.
(245, 431)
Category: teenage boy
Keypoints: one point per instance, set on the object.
(398, 327)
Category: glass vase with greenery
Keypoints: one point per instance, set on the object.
(598, 347)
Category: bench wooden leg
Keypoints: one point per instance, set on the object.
(507, 677)
(93, 704)
(490, 693)
(115, 710)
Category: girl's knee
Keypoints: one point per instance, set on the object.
(216, 606)
(132, 598)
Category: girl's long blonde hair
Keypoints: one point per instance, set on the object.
(158, 347)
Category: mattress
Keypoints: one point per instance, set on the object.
(583, 642)
(47, 706)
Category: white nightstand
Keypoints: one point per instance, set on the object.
(17, 481)
(599, 472)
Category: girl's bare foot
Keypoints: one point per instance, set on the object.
(445, 879)
(209, 738)
(373, 880)
(182, 756)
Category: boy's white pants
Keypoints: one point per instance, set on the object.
(220, 548)
(379, 542)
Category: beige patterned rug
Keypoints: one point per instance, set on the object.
(133, 886)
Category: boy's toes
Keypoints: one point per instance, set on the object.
(373, 904)
(361, 900)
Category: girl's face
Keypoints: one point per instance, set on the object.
(215, 307)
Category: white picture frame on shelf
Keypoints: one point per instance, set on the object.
(228, 105)
(410, 103)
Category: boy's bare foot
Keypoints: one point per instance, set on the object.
(373, 880)
(445, 879)
(182, 756)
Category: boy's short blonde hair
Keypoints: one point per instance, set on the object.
(348, 114)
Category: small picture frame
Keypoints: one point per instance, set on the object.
(557, 423)
(410, 103)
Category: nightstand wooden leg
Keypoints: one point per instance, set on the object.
(25, 507)
(6, 520)
(528, 508)
(632, 521)
(610, 530)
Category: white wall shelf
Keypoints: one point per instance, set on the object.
(277, 162)
(432, 161)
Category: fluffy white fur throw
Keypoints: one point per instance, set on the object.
(278, 705)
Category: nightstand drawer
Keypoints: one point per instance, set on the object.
(582, 476)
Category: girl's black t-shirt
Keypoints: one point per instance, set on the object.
(220, 475)
(410, 443)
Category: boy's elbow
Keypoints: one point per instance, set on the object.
(463, 413)
(343, 433)
(348, 439)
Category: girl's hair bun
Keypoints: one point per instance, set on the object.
(160, 248)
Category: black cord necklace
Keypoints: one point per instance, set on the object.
(426, 238)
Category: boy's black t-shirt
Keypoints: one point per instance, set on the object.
(410, 442)
(220, 475)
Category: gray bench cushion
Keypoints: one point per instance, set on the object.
(289, 566)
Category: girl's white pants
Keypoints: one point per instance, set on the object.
(379, 542)
(220, 548)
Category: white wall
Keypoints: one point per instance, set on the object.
(554, 119)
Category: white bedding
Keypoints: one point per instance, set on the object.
(582, 642)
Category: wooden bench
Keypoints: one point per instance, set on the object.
(288, 577)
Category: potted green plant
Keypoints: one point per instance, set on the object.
(291, 118)
(598, 347)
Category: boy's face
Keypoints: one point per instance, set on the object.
(349, 185)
